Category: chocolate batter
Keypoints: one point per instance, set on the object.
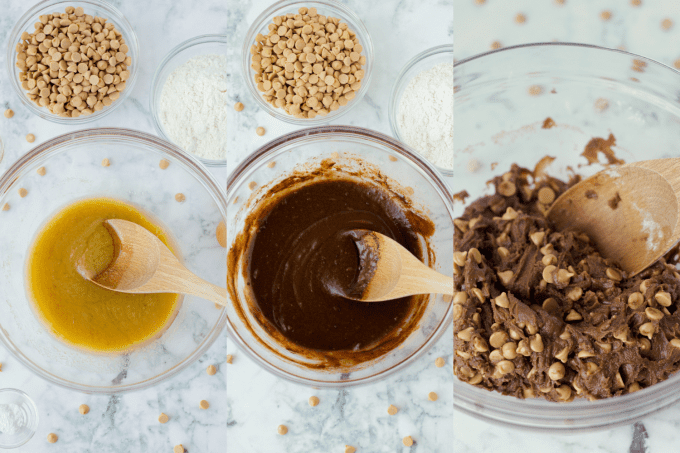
(581, 328)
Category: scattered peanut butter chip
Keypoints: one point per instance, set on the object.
(535, 90)
(271, 164)
(260, 131)
(520, 18)
(218, 305)
(23, 192)
(432, 396)
(409, 190)
(473, 165)
(408, 441)
(52, 438)
(601, 104)
(83, 409)
(41, 171)
(313, 401)
(282, 429)
(350, 449)
(480, 2)
(235, 200)
(560, 2)
(334, 155)
(496, 45)
(0, 367)
(178, 449)
(30, 138)
(163, 418)
(392, 409)
(393, 158)
(238, 106)
(164, 164)
(9, 113)
(212, 369)
(230, 358)
(439, 362)
(666, 24)
(606, 15)
(221, 233)
(5, 207)
(252, 185)
(636, 2)
(676, 63)
(179, 197)
(106, 162)
(204, 404)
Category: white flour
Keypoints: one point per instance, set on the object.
(193, 106)
(12, 419)
(425, 114)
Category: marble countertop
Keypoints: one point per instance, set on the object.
(639, 29)
(258, 401)
(127, 422)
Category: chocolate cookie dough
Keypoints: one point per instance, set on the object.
(539, 313)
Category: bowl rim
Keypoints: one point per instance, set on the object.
(209, 183)
(34, 406)
(23, 24)
(534, 413)
(259, 23)
(212, 38)
(400, 80)
(435, 178)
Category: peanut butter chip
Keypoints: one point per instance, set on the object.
(393, 158)
(163, 164)
(520, 18)
(432, 396)
(9, 113)
(252, 185)
(439, 362)
(271, 164)
(23, 192)
(204, 404)
(180, 197)
(606, 15)
(41, 171)
(535, 90)
(30, 138)
(313, 401)
(260, 131)
(230, 358)
(163, 418)
(238, 107)
(636, 2)
(0, 367)
(408, 441)
(178, 449)
(392, 409)
(84, 409)
(5, 207)
(106, 163)
(496, 45)
(282, 429)
(212, 369)
(350, 449)
(52, 438)
(221, 233)
(666, 24)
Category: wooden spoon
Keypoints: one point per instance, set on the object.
(389, 271)
(629, 212)
(142, 264)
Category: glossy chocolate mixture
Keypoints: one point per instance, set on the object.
(304, 258)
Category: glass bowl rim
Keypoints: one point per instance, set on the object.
(258, 24)
(236, 179)
(55, 146)
(155, 86)
(34, 406)
(393, 106)
(23, 23)
(646, 401)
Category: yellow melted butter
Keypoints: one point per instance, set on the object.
(76, 310)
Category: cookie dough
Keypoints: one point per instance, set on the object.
(539, 313)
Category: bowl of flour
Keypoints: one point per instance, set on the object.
(18, 418)
(421, 106)
(189, 98)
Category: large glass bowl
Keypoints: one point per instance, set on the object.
(421, 62)
(501, 101)
(74, 171)
(410, 170)
(199, 45)
(93, 8)
(327, 8)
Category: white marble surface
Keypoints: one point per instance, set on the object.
(636, 29)
(258, 401)
(126, 422)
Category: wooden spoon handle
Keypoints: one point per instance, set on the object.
(417, 276)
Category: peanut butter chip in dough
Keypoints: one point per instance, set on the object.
(41, 171)
(163, 418)
(408, 441)
(440, 362)
(432, 396)
(313, 401)
(180, 197)
(52, 438)
(392, 410)
(282, 429)
(212, 369)
(164, 164)
(84, 409)
(204, 404)
(178, 449)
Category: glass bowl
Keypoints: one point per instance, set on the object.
(91, 7)
(501, 101)
(30, 414)
(421, 62)
(200, 45)
(326, 8)
(74, 171)
(313, 145)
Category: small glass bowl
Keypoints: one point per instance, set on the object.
(30, 413)
(199, 45)
(397, 163)
(326, 8)
(91, 7)
(421, 62)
